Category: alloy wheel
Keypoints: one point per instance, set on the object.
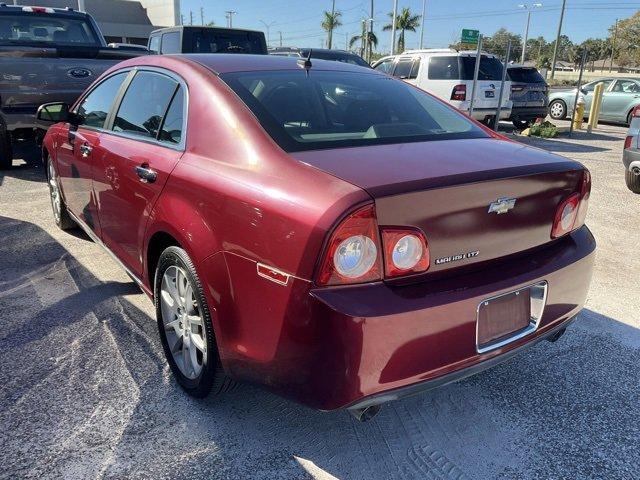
(183, 322)
(54, 192)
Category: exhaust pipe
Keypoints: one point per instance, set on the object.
(556, 336)
(364, 414)
(635, 167)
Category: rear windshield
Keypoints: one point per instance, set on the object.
(324, 109)
(525, 75)
(462, 68)
(336, 56)
(45, 28)
(226, 41)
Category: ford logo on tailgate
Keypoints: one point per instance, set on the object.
(79, 72)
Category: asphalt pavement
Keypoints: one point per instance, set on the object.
(86, 393)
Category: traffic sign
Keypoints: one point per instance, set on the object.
(469, 36)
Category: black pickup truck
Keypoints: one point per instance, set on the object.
(194, 39)
(46, 55)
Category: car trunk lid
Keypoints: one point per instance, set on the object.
(475, 200)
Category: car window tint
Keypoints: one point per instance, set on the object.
(444, 68)
(385, 65)
(154, 44)
(174, 119)
(94, 109)
(490, 68)
(403, 68)
(415, 68)
(171, 42)
(625, 86)
(325, 109)
(591, 86)
(144, 104)
(525, 75)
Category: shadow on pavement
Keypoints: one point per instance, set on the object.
(86, 393)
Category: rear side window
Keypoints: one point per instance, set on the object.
(490, 68)
(171, 130)
(171, 42)
(95, 107)
(444, 68)
(525, 75)
(144, 104)
(154, 44)
(404, 69)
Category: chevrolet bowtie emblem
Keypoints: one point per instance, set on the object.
(502, 205)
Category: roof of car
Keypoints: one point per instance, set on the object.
(226, 63)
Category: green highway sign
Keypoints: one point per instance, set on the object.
(469, 36)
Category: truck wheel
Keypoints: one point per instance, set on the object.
(60, 213)
(185, 326)
(633, 181)
(558, 110)
(6, 152)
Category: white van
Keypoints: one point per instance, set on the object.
(448, 74)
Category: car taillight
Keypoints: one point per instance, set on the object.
(353, 254)
(566, 215)
(405, 252)
(585, 193)
(459, 92)
(628, 141)
(517, 88)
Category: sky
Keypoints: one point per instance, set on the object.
(299, 20)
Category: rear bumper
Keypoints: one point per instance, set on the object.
(484, 113)
(528, 113)
(630, 155)
(352, 346)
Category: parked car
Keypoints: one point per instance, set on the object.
(344, 240)
(620, 97)
(631, 153)
(46, 55)
(448, 74)
(529, 94)
(320, 53)
(128, 46)
(192, 39)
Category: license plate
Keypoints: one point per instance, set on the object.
(489, 94)
(503, 316)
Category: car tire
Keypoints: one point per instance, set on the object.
(633, 181)
(558, 110)
(521, 124)
(6, 152)
(60, 213)
(185, 326)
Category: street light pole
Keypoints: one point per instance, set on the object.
(526, 28)
(230, 14)
(393, 27)
(613, 45)
(424, 9)
(555, 48)
(267, 26)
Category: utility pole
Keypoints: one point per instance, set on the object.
(181, 19)
(424, 10)
(613, 45)
(202, 16)
(267, 26)
(333, 13)
(280, 33)
(555, 48)
(393, 27)
(229, 15)
(190, 17)
(526, 28)
(346, 41)
(369, 34)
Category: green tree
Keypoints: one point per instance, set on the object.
(364, 38)
(405, 20)
(566, 49)
(497, 44)
(596, 49)
(330, 23)
(627, 40)
(536, 47)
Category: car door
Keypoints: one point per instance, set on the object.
(80, 147)
(619, 100)
(587, 91)
(142, 145)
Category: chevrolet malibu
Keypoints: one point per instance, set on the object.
(321, 229)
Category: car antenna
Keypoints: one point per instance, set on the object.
(306, 63)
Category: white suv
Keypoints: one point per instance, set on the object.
(448, 74)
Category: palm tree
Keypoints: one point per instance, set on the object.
(404, 21)
(331, 21)
(366, 38)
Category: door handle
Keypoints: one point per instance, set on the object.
(85, 150)
(146, 174)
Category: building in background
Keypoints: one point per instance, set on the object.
(121, 21)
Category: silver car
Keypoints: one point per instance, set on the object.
(620, 97)
(631, 153)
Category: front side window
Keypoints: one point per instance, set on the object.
(403, 68)
(337, 109)
(42, 29)
(385, 66)
(94, 109)
(145, 104)
(589, 87)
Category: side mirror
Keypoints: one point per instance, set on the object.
(54, 113)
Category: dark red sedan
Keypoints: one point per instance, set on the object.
(326, 231)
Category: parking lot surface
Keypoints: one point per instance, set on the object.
(86, 393)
